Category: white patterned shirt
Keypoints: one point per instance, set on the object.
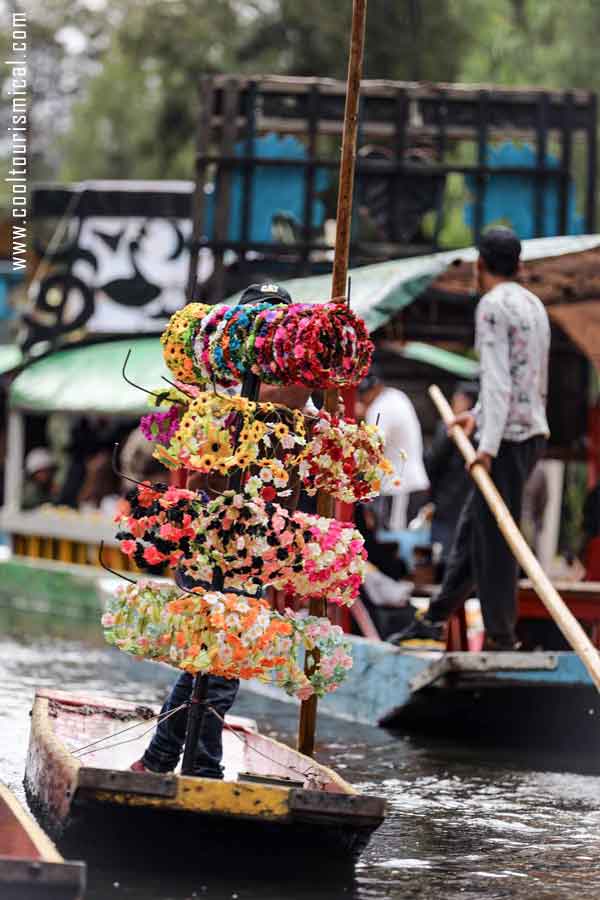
(512, 337)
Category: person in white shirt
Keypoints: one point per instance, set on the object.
(512, 335)
(404, 492)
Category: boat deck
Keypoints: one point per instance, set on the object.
(107, 733)
(82, 724)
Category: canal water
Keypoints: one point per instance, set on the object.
(464, 823)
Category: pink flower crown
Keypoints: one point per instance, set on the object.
(298, 553)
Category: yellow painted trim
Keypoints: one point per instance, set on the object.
(64, 550)
(81, 554)
(40, 839)
(233, 798)
(67, 551)
(206, 796)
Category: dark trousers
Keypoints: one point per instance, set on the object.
(480, 556)
(164, 750)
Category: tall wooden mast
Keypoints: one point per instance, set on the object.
(325, 504)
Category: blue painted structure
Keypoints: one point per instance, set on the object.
(9, 279)
(406, 541)
(275, 190)
(510, 199)
(379, 685)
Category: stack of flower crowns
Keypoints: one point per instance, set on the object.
(244, 535)
(315, 345)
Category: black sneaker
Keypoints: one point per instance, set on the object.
(421, 634)
(491, 645)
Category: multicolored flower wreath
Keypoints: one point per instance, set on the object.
(161, 426)
(214, 633)
(204, 345)
(330, 348)
(250, 539)
(217, 435)
(225, 634)
(345, 459)
(315, 345)
(332, 560)
(330, 665)
(233, 335)
(177, 341)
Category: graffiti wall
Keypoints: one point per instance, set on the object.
(112, 257)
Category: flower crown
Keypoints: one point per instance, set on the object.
(159, 526)
(345, 459)
(217, 434)
(298, 553)
(315, 345)
(228, 635)
(251, 541)
(177, 341)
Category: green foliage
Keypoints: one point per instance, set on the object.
(405, 40)
(113, 126)
(114, 86)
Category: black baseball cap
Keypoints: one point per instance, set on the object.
(256, 293)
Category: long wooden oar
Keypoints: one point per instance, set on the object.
(543, 587)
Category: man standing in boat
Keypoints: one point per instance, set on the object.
(166, 746)
(512, 336)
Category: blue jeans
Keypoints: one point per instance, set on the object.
(164, 750)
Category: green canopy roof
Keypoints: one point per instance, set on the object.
(88, 379)
(458, 365)
(10, 357)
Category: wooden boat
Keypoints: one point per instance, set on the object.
(30, 865)
(270, 792)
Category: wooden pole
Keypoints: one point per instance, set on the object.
(325, 504)
(343, 222)
(543, 587)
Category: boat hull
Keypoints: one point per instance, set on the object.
(288, 799)
(541, 698)
(563, 719)
(30, 866)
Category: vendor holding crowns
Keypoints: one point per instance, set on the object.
(512, 336)
(165, 748)
(406, 491)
